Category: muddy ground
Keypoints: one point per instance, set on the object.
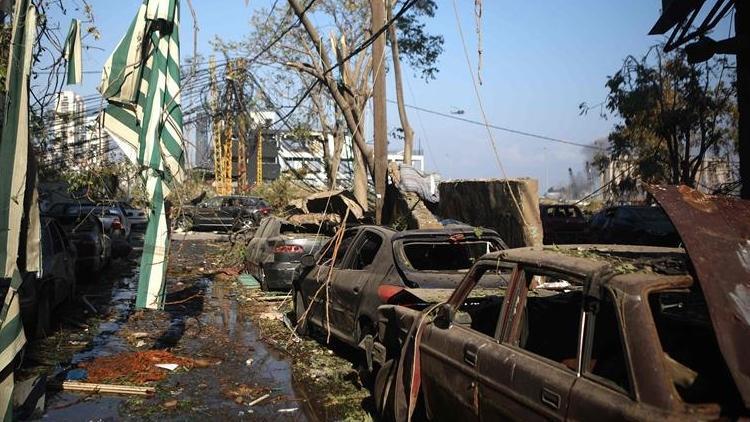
(245, 363)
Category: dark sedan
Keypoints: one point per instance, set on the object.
(374, 265)
(633, 225)
(41, 294)
(222, 213)
(87, 233)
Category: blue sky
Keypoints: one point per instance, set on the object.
(541, 59)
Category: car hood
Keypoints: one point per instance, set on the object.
(716, 234)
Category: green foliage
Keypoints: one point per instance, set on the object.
(98, 183)
(673, 115)
(280, 192)
(420, 48)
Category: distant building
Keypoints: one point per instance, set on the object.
(713, 173)
(417, 159)
(68, 129)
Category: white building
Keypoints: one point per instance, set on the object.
(417, 160)
(68, 128)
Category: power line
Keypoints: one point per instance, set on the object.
(501, 128)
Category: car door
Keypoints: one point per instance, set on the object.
(207, 212)
(313, 287)
(528, 372)
(232, 210)
(604, 388)
(253, 247)
(57, 276)
(364, 266)
(451, 355)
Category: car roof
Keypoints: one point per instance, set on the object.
(446, 231)
(587, 260)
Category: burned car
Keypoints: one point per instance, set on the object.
(585, 332)
(563, 224)
(274, 253)
(374, 265)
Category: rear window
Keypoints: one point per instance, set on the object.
(563, 212)
(444, 256)
(690, 349)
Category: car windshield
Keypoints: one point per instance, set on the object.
(443, 255)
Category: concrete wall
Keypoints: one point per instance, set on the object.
(489, 203)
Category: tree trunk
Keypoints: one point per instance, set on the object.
(359, 182)
(331, 84)
(408, 132)
(338, 146)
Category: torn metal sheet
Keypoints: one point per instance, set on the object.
(333, 201)
(716, 234)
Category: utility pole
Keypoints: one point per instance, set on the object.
(741, 28)
(380, 122)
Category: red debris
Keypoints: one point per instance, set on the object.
(132, 368)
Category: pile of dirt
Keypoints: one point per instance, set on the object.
(132, 368)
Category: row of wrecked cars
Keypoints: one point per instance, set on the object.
(456, 326)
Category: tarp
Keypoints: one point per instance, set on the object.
(73, 53)
(141, 81)
(412, 180)
(17, 211)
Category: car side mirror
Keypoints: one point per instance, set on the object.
(444, 316)
(307, 260)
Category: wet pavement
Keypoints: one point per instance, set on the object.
(235, 375)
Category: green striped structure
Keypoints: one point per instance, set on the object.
(73, 53)
(141, 81)
(14, 150)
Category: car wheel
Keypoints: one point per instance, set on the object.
(184, 223)
(299, 310)
(384, 391)
(42, 316)
(244, 224)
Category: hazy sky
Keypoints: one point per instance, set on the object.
(541, 59)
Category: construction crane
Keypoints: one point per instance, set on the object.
(218, 133)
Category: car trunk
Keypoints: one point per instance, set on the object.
(291, 247)
(715, 232)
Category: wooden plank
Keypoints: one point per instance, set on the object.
(104, 388)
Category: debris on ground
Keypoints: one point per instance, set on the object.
(135, 367)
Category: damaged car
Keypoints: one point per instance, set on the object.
(367, 266)
(273, 256)
(605, 332)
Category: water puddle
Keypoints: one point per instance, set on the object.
(204, 322)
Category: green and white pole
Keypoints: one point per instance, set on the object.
(145, 118)
(14, 149)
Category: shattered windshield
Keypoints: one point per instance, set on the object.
(444, 256)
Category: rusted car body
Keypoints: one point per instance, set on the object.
(375, 265)
(586, 332)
